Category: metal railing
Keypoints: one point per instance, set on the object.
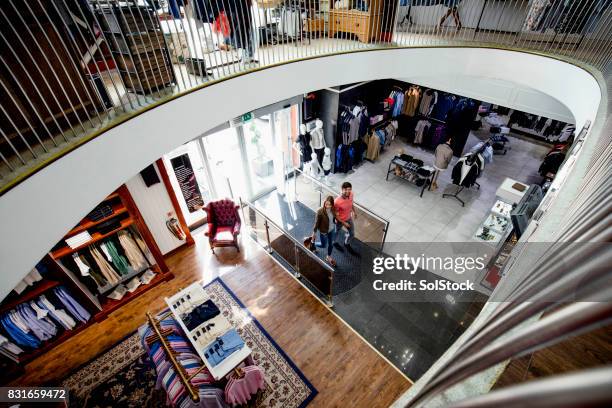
(293, 254)
(370, 228)
(72, 68)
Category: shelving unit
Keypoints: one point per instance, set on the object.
(100, 306)
(49, 344)
(138, 45)
(110, 305)
(95, 237)
(87, 224)
(31, 293)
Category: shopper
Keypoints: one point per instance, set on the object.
(325, 224)
(442, 157)
(453, 9)
(345, 214)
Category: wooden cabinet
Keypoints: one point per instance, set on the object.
(365, 25)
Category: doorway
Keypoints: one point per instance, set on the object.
(246, 161)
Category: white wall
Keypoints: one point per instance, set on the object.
(154, 205)
(83, 177)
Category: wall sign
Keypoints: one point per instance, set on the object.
(187, 181)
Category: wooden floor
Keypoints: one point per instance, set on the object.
(340, 365)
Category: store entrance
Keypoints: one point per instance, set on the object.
(247, 160)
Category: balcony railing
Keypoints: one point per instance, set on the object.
(72, 68)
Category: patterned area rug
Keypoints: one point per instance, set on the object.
(124, 376)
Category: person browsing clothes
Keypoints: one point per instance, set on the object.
(345, 214)
(325, 224)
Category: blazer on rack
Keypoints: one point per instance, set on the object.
(466, 173)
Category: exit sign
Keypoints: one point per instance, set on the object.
(247, 117)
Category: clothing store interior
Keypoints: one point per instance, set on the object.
(236, 209)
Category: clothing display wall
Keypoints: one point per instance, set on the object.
(540, 126)
(30, 324)
(108, 259)
(427, 116)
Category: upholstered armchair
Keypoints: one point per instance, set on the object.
(223, 224)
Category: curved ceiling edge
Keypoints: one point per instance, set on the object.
(74, 184)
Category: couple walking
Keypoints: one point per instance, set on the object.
(335, 215)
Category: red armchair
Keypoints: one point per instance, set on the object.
(223, 224)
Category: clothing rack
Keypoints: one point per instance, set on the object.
(470, 159)
(182, 374)
(382, 123)
(432, 119)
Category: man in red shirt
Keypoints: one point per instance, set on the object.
(345, 213)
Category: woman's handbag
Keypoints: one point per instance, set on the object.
(309, 243)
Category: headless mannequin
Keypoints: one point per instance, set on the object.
(318, 140)
(306, 158)
(315, 168)
(327, 164)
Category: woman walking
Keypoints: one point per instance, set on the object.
(325, 224)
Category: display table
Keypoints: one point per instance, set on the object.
(511, 191)
(418, 175)
(497, 226)
(181, 304)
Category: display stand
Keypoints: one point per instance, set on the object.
(409, 173)
(178, 367)
(184, 302)
(469, 159)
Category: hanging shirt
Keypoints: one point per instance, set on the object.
(429, 100)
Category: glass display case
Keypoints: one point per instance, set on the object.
(497, 225)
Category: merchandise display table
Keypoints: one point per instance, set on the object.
(207, 332)
(412, 172)
(497, 226)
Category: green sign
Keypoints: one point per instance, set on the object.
(247, 117)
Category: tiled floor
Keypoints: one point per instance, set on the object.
(433, 218)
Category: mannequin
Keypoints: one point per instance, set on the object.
(304, 146)
(315, 168)
(318, 140)
(327, 164)
(442, 157)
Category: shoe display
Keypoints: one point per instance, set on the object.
(147, 277)
(133, 284)
(118, 293)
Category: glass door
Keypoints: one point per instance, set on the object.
(261, 155)
(286, 132)
(224, 154)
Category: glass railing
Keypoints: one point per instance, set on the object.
(370, 228)
(289, 252)
(73, 68)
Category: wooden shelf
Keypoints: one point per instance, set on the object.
(29, 294)
(110, 305)
(110, 286)
(85, 224)
(94, 238)
(49, 344)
